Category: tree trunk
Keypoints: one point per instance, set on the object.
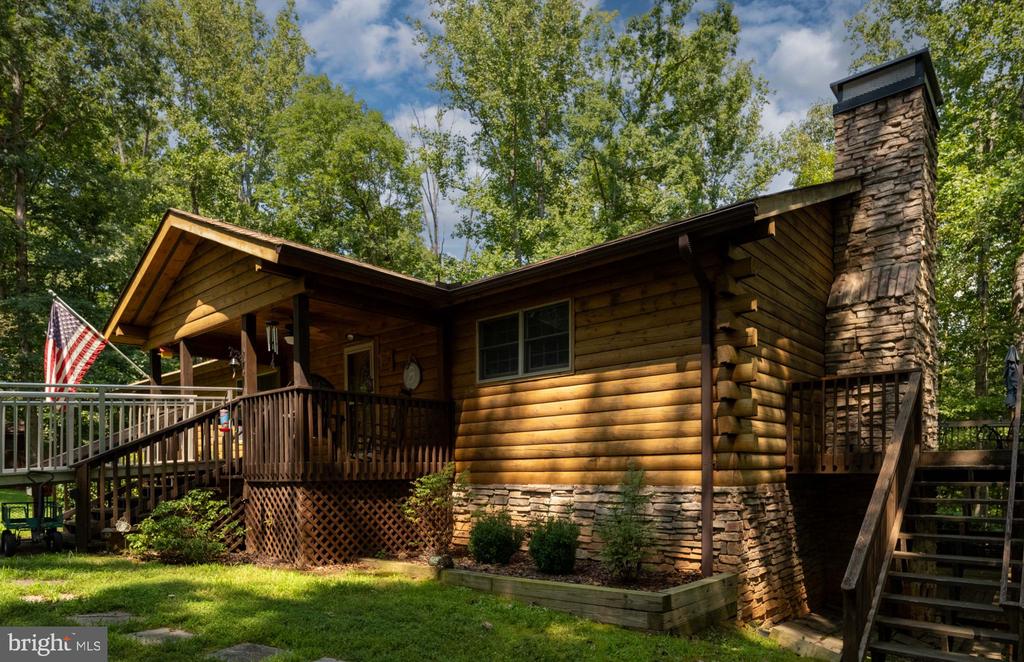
(1018, 301)
(21, 266)
(981, 352)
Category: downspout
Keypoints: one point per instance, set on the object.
(707, 449)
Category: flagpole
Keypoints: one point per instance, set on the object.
(94, 330)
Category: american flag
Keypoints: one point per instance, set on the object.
(71, 347)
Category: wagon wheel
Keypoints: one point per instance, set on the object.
(8, 543)
(54, 541)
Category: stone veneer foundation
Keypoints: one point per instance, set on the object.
(755, 533)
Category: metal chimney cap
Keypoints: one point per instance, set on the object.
(887, 79)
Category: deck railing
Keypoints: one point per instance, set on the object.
(124, 483)
(1012, 603)
(314, 434)
(46, 431)
(974, 435)
(865, 575)
(843, 423)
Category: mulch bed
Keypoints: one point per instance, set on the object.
(587, 572)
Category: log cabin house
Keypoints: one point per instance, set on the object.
(769, 364)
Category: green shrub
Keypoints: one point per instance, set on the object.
(626, 532)
(184, 530)
(494, 538)
(553, 544)
(430, 507)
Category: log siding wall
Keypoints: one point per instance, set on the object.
(793, 276)
(634, 392)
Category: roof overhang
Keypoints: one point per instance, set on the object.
(180, 231)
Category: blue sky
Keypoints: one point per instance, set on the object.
(368, 47)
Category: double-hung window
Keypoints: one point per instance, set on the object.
(527, 342)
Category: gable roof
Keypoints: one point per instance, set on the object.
(179, 232)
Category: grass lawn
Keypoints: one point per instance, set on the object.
(348, 615)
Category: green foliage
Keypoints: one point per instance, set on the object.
(183, 530)
(978, 51)
(430, 507)
(553, 544)
(494, 538)
(586, 134)
(626, 532)
(344, 180)
(808, 147)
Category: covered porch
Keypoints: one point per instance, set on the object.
(340, 367)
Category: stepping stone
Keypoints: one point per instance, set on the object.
(103, 618)
(246, 653)
(33, 582)
(161, 635)
(34, 599)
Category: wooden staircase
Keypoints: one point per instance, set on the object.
(940, 598)
(117, 489)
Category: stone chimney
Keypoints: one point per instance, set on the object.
(881, 310)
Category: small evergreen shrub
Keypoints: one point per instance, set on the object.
(494, 538)
(430, 507)
(626, 532)
(553, 544)
(184, 530)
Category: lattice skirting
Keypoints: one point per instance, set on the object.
(326, 523)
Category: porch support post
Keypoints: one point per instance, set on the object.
(83, 507)
(187, 379)
(249, 365)
(156, 374)
(707, 448)
(300, 347)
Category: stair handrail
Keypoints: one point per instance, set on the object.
(864, 580)
(1011, 493)
(139, 442)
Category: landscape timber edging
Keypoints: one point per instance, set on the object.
(685, 609)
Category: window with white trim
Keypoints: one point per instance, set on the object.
(527, 342)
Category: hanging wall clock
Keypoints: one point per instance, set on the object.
(412, 376)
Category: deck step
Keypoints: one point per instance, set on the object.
(942, 603)
(919, 652)
(958, 483)
(948, 580)
(961, 500)
(942, 629)
(962, 518)
(951, 558)
(953, 537)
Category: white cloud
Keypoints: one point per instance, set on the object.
(362, 40)
(804, 62)
(407, 116)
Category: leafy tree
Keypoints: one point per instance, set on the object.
(808, 147)
(231, 74)
(675, 130)
(514, 68)
(979, 59)
(344, 180)
(74, 101)
(584, 134)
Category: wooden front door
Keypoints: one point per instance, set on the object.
(359, 372)
(359, 378)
